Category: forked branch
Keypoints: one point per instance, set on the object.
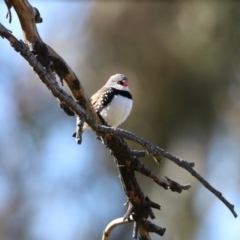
(45, 61)
(105, 130)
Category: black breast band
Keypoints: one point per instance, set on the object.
(107, 97)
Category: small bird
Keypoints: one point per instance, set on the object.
(113, 101)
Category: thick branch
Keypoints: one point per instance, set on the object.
(140, 207)
(118, 147)
(26, 14)
(104, 130)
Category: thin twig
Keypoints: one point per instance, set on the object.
(157, 151)
(150, 227)
(79, 129)
(119, 221)
(166, 183)
(59, 93)
(139, 153)
(117, 145)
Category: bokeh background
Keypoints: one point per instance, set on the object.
(183, 62)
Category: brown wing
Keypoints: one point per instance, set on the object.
(96, 98)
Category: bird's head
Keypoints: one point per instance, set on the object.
(118, 81)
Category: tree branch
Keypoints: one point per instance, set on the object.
(119, 221)
(105, 130)
(44, 61)
(117, 146)
(159, 152)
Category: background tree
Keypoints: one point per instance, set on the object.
(182, 61)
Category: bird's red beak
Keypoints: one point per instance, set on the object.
(125, 83)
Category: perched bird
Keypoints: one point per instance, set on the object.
(113, 101)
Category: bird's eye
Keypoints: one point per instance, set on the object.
(123, 82)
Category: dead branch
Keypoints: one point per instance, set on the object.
(117, 146)
(119, 221)
(9, 14)
(159, 152)
(166, 183)
(45, 62)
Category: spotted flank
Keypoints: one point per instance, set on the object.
(107, 97)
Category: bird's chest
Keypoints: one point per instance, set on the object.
(117, 111)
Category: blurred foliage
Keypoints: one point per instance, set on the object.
(178, 55)
(182, 60)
